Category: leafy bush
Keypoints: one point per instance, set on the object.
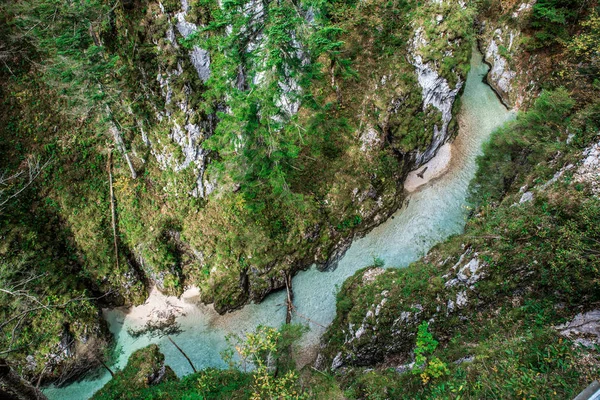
(427, 366)
(522, 145)
(552, 19)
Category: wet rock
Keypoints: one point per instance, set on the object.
(500, 77)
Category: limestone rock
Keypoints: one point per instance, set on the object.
(436, 92)
(585, 328)
(589, 169)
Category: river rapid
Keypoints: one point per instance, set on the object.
(432, 213)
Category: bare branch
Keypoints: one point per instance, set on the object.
(34, 169)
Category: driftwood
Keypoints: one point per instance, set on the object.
(291, 309)
(182, 352)
(308, 319)
(290, 298)
(112, 374)
(420, 174)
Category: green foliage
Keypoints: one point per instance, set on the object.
(586, 45)
(135, 381)
(68, 37)
(258, 137)
(81, 64)
(378, 262)
(539, 268)
(522, 145)
(551, 20)
(536, 363)
(427, 366)
(266, 350)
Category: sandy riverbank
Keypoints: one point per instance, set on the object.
(433, 169)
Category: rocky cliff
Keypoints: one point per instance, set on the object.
(181, 244)
(513, 69)
(155, 175)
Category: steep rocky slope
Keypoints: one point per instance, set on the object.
(509, 309)
(227, 146)
(389, 129)
(146, 187)
(510, 293)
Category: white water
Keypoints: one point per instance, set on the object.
(433, 213)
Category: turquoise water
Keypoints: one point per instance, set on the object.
(430, 215)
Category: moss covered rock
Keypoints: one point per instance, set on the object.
(145, 368)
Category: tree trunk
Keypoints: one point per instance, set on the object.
(12, 386)
(182, 352)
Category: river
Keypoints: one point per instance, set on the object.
(430, 214)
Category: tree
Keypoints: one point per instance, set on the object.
(426, 364)
(552, 18)
(267, 351)
(12, 386)
(13, 184)
(263, 59)
(68, 38)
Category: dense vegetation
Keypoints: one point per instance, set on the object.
(117, 141)
(99, 199)
(536, 263)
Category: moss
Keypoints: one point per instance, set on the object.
(535, 364)
(537, 272)
(144, 369)
(232, 253)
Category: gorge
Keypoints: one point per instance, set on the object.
(259, 199)
(431, 214)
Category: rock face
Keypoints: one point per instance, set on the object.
(185, 132)
(436, 93)
(501, 77)
(583, 329)
(146, 367)
(199, 57)
(586, 172)
(589, 169)
(12, 386)
(511, 69)
(368, 333)
(188, 247)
